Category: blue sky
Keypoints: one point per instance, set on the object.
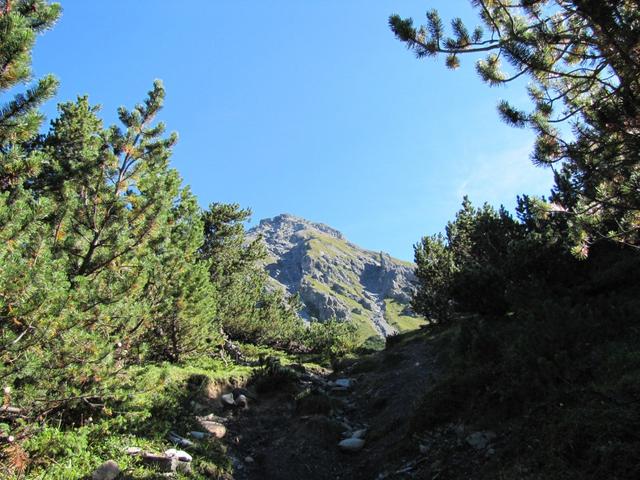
(309, 107)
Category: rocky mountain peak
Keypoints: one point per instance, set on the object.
(286, 224)
(337, 279)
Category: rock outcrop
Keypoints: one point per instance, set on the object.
(337, 279)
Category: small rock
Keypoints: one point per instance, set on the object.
(213, 418)
(178, 440)
(248, 459)
(343, 382)
(179, 454)
(359, 433)
(133, 450)
(200, 435)
(242, 391)
(214, 428)
(242, 401)
(406, 469)
(109, 470)
(480, 440)
(351, 444)
(160, 462)
(228, 400)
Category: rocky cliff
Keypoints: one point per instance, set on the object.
(335, 278)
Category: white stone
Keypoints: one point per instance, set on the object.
(359, 433)
(227, 399)
(180, 455)
(214, 428)
(351, 444)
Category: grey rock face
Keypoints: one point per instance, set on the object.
(333, 277)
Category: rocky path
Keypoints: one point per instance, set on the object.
(331, 425)
(358, 423)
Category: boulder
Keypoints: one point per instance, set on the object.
(109, 470)
(351, 444)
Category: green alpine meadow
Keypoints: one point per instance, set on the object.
(145, 334)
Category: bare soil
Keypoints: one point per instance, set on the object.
(293, 431)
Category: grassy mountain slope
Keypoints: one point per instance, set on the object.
(337, 279)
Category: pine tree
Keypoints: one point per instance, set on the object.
(33, 287)
(471, 268)
(179, 292)
(583, 58)
(114, 193)
(248, 309)
(434, 272)
(115, 211)
(234, 267)
(20, 23)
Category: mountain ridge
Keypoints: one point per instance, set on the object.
(336, 278)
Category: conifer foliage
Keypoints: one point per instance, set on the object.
(583, 59)
(33, 287)
(106, 260)
(248, 309)
(541, 310)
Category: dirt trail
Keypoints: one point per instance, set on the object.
(292, 431)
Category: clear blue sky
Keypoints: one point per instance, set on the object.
(310, 107)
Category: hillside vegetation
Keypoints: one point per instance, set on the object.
(541, 309)
(117, 292)
(144, 337)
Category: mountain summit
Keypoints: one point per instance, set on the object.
(337, 279)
